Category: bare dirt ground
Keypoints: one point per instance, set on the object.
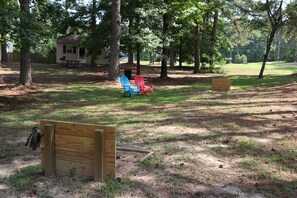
(237, 144)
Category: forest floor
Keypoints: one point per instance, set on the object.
(241, 143)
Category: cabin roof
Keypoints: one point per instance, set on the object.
(68, 39)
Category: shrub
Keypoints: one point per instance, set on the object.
(243, 58)
(240, 58)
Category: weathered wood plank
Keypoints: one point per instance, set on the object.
(49, 150)
(66, 167)
(73, 142)
(74, 154)
(99, 155)
(77, 129)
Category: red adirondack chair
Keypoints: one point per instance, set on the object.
(144, 88)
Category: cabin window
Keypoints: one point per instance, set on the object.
(69, 49)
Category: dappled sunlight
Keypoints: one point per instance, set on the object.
(205, 143)
(9, 169)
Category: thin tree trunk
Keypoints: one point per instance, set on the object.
(138, 49)
(164, 50)
(172, 57)
(164, 63)
(4, 55)
(295, 53)
(138, 60)
(130, 57)
(93, 59)
(152, 58)
(93, 29)
(206, 22)
(115, 40)
(197, 50)
(268, 47)
(180, 52)
(25, 63)
(230, 57)
(214, 38)
(130, 47)
(275, 22)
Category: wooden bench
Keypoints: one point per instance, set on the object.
(69, 148)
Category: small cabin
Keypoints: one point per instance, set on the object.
(68, 48)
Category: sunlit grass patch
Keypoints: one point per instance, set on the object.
(247, 82)
(263, 170)
(150, 163)
(25, 178)
(112, 188)
(246, 146)
(254, 68)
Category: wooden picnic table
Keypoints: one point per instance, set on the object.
(73, 62)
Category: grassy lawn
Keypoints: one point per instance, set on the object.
(254, 68)
(206, 143)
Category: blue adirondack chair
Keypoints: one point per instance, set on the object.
(127, 86)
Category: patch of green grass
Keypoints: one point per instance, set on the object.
(25, 178)
(255, 164)
(245, 146)
(247, 82)
(254, 68)
(149, 163)
(250, 163)
(113, 188)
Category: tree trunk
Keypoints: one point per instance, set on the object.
(206, 21)
(138, 60)
(164, 50)
(230, 57)
(93, 29)
(152, 58)
(130, 47)
(295, 53)
(113, 73)
(214, 38)
(197, 50)
(25, 63)
(172, 57)
(180, 51)
(268, 47)
(25, 66)
(4, 55)
(93, 59)
(130, 57)
(275, 22)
